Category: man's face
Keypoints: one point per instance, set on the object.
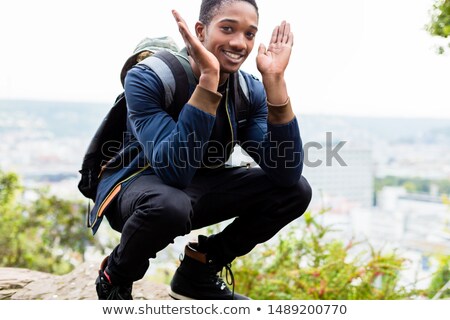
(230, 35)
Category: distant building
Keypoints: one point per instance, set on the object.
(347, 182)
(423, 219)
(417, 226)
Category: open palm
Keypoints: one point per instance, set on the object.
(275, 59)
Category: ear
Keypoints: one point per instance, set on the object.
(200, 31)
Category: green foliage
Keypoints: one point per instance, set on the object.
(307, 263)
(440, 283)
(38, 230)
(440, 278)
(412, 184)
(440, 21)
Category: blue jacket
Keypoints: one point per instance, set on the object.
(174, 150)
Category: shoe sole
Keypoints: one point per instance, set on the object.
(177, 296)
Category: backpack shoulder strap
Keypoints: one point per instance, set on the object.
(243, 85)
(241, 99)
(176, 75)
(182, 56)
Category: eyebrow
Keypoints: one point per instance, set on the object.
(235, 21)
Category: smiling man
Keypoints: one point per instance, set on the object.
(184, 183)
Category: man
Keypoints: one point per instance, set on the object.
(178, 182)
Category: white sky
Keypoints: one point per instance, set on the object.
(351, 57)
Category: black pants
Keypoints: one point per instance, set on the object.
(151, 214)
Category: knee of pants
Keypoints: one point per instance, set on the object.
(300, 195)
(168, 213)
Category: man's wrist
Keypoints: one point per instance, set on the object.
(209, 81)
(276, 90)
(205, 100)
(280, 113)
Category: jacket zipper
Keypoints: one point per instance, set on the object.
(229, 121)
(228, 113)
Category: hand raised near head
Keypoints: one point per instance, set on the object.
(207, 63)
(274, 59)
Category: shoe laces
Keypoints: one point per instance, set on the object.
(229, 277)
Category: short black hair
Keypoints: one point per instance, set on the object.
(209, 8)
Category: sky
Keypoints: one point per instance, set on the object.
(350, 57)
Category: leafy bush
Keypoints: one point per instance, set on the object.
(43, 233)
(306, 263)
(439, 287)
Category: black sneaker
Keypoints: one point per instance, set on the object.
(197, 279)
(106, 290)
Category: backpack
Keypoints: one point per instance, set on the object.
(109, 143)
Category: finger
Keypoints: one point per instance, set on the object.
(282, 34)
(179, 20)
(274, 37)
(183, 28)
(281, 31)
(177, 16)
(286, 33)
(291, 39)
(182, 25)
(262, 49)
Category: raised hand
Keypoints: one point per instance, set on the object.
(206, 62)
(274, 59)
(272, 63)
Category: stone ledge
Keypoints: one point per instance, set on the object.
(24, 284)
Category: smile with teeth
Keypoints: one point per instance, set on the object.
(233, 56)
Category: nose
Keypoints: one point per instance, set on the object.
(238, 42)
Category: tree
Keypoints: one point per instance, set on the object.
(440, 21)
(43, 233)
